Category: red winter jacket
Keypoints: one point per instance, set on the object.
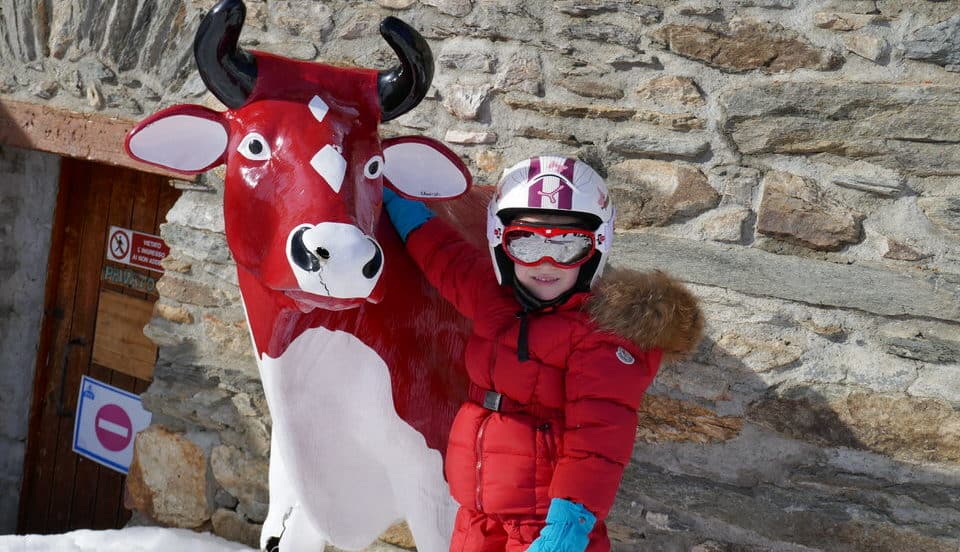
(584, 382)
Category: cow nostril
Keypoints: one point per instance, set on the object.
(322, 253)
(373, 265)
(301, 255)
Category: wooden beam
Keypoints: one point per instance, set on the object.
(88, 136)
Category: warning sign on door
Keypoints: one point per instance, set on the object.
(136, 248)
(107, 420)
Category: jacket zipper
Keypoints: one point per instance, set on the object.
(549, 443)
(479, 451)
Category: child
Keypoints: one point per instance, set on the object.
(536, 456)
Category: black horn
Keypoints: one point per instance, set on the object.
(402, 87)
(227, 70)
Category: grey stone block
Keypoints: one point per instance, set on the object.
(813, 282)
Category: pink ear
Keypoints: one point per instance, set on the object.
(189, 139)
(422, 168)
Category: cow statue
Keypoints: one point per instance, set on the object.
(361, 361)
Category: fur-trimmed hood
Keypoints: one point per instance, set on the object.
(649, 308)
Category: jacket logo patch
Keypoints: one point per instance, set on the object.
(625, 356)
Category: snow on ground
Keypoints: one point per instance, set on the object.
(131, 539)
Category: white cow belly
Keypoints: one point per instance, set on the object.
(352, 464)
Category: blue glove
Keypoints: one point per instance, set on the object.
(405, 214)
(567, 529)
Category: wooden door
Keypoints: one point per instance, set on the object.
(63, 491)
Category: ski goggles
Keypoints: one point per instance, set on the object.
(530, 245)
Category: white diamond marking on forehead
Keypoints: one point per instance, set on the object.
(319, 108)
(331, 165)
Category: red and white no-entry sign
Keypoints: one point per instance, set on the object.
(114, 428)
(107, 420)
(136, 248)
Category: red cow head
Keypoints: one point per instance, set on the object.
(304, 162)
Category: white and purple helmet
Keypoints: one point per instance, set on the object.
(553, 185)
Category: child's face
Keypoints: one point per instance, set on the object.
(546, 281)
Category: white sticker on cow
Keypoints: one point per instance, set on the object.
(346, 263)
(331, 165)
(319, 108)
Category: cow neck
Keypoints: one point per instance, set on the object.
(274, 320)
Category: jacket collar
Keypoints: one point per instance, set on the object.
(530, 304)
(649, 308)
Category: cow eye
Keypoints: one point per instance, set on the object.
(254, 147)
(374, 167)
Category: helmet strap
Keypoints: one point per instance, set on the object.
(587, 270)
(504, 265)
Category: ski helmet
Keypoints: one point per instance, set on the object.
(556, 185)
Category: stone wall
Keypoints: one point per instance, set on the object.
(28, 194)
(795, 161)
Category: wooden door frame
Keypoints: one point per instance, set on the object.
(42, 367)
(88, 136)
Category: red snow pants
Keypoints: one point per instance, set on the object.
(478, 532)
